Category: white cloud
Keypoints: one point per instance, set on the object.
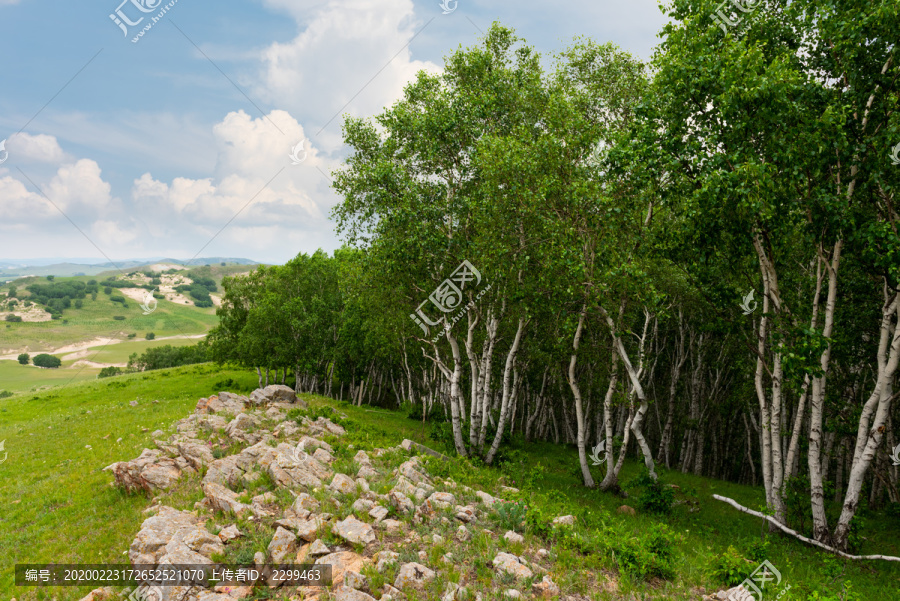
(343, 45)
(41, 148)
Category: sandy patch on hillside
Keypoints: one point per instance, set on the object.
(97, 365)
(216, 300)
(32, 313)
(137, 294)
(165, 267)
(70, 348)
(174, 297)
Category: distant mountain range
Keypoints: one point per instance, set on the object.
(11, 268)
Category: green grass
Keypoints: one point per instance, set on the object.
(58, 505)
(95, 320)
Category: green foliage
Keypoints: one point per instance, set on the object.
(24, 358)
(150, 336)
(119, 317)
(167, 356)
(13, 318)
(45, 360)
(655, 496)
(730, 568)
(110, 371)
(651, 555)
(511, 515)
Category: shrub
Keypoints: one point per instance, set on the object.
(107, 290)
(24, 358)
(650, 556)
(511, 516)
(79, 303)
(13, 318)
(5, 394)
(730, 567)
(655, 496)
(119, 317)
(167, 356)
(45, 360)
(107, 372)
(150, 336)
(132, 335)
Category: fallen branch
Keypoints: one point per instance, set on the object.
(796, 534)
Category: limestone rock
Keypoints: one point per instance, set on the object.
(513, 537)
(282, 545)
(274, 393)
(546, 588)
(323, 456)
(229, 533)
(367, 472)
(413, 575)
(356, 580)
(564, 520)
(512, 593)
(151, 472)
(341, 563)
(401, 502)
(626, 509)
(463, 534)
(222, 499)
(391, 526)
(511, 564)
(304, 501)
(318, 548)
(362, 458)
(345, 593)
(156, 532)
(362, 505)
(384, 559)
(378, 513)
(343, 484)
(354, 531)
(485, 498)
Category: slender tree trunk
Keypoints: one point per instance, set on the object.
(576, 393)
(504, 408)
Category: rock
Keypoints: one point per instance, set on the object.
(362, 458)
(378, 513)
(156, 532)
(307, 443)
(363, 485)
(318, 548)
(323, 456)
(133, 403)
(546, 588)
(410, 469)
(564, 520)
(512, 593)
(413, 575)
(401, 502)
(329, 426)
(509, 489)
(226, 471)
(274, 393)
(356, 580)
(466, 514)
(259, 558)
(511, 564)
(343, 484)
(154, 434)
(543, 553)
(304, 501)
(626, 509)
(485, 498)
(354, 531)
(384, 560)
(284, 543)
(362, 505)
(463, 534)
(441, 500)
(241, 423)
(513, 537)
(229, 533)
(367, 472)
(404, 486)
(222, 499)
(308, 529)
(150, 472)
(391, 526)
(341, 563)
(345, 593)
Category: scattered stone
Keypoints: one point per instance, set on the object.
(133, 403)
(437, 539)
(323, 456)
(345, 593)
(304, 502)
(229, 533)
(401, 502)
(463, 534)
(465, 514)
(512, 593)
(511, 564)
(222, 499)
(543, 553)
(485, 498)
(362, 505)
(354, 531)
(362, 458)
(546, 588)
(384, 559)
(378, 513)
(318, 548)
(356, 580)
(391, 526)
(367, 472)
(284, 543)
(513, 537)
(150, 472)
(343, 484)
(275, 393)
(626, 509)
(564, 520)
(509, 489)
(341, 563)
(413, 575)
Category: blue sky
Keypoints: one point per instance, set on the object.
(168, 146)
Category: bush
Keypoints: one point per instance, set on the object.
(24, 358)
(45, 360)
(13, 318)
(650, 556)
(107, 290)
(119, 317)
(730, 568)
(167, 356)
(132, 335)
(655, 496)
(79, 303)
(107, 372)
(511, 516)
(150, 336)
(5, 394)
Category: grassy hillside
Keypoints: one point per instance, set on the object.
(58, 505)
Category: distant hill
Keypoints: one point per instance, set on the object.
(11, 269)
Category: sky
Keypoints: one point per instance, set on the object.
(215, 131)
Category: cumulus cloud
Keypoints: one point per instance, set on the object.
(342, 45)
(40, 148)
